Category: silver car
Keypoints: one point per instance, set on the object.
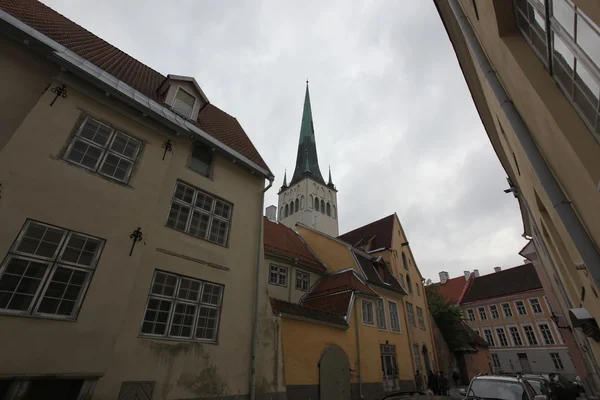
(491, 387)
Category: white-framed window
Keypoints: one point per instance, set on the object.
(302, 280)
(502, 337)
(507, 310)
(420, 318)
(489, 337)
(381, 314)
(278, 275)
(102, 149)
(535, 305)
(495, 360)
(182, 307)
(530, 335)
(199, 214)
(410, 313)
(482, 313)
(367, 312)
(471, 315)
(521, 309)
(558, 364)
(47, 271)
(394, 318)
(417, 355)
(570, 56)
(546, 334)
(515, 335)
(183, 103)
(494, 311)
(201, 159)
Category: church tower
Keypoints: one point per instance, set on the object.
(307, 198)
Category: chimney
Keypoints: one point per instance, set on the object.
(497, 269)
(444, 277)
(476, 273)
(467, 275)
(271, 213)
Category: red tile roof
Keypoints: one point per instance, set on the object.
(382, 230)
(284, 307)
(371, 267)
(452, 289)
(337, 303)
(338, 282)
(504, 283)
(280, 239)
(139, 76)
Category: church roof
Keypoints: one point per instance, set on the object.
(307, 164)
(380, 233)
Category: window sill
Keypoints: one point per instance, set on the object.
(178, 340)
(275, 284)
(4, 313)
(199, 238)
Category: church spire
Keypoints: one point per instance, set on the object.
(330, 183)
(307, 163)
(285, 185)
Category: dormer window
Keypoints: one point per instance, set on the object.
(201, 160)
(184, 103)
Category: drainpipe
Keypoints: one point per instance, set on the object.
(358, 368)
(256, 290)
(585, 245)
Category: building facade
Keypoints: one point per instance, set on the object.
(509, 309)
(386, 238)
(130, 210)
(534, 74)
(307, 199)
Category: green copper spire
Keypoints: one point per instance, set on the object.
(330, 183)
(307, 163)
(285, 178)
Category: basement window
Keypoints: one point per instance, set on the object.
(184, 103)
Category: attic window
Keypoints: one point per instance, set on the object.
(184, 103)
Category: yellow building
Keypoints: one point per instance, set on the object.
(386, 238)
(533, 70)
(346, 327)
(130, 226)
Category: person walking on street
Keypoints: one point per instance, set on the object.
(456, 377)
(419, 380)
(443, 384)
(432, 382)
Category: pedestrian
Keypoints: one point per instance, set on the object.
(443, 384)
(456, 377)
(432, 383)
(419, 381)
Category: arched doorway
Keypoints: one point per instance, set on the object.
(334, 374)
(426, 359)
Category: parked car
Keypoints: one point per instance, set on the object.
(562, 387)
(540, 384)
(404, 394)
(500, 387)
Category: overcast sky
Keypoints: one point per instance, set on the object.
(392, 112)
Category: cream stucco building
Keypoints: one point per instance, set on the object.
(130, 233)
(533, 70)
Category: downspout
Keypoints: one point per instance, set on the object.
(585, 245)
(358, 368)
(259, 252)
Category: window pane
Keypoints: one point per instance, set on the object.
(63, 291)
(589, 86)
(178, 216)
(189, 289)
(20, 282)
(95, 132)
(211, 294)
(588, 38)
(201, 159)
(222, 209)
(116, 167)
(156, 316)
(184, 193)
(564, 14)
(84, 154)
(125, 145)
(184, 103)
(183, 320)
(204, 201)
(199, 224)
(164, 284)
(218, 231)
(41, 240)
(81, 250)
(207, 323)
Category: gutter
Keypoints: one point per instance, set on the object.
(583, 242)
(114, 86)
(358, 368)
(259, 260)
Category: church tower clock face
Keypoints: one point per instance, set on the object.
(308, 199)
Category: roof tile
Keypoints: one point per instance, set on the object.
(336, 303)
(280, 239)
(503, 283)
(338, 282)
(139, 76)
(382, 230)
(452, 288)
(284, 307)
